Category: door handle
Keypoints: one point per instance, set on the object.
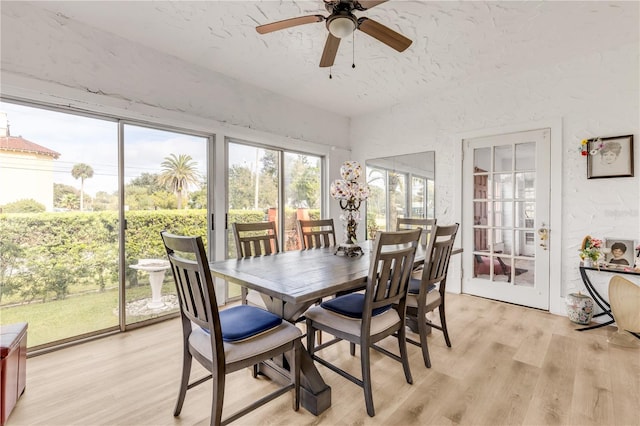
(543, 234)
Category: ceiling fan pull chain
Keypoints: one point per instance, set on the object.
(353, 53)
(330, 76)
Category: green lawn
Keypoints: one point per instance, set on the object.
(79, 314)
(60, 319)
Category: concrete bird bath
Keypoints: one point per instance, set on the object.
(156, 269)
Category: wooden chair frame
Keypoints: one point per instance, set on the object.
(198, 306)
(255, 239)
(434, 274)
(427, 225)
(316, 233)
(389, 273)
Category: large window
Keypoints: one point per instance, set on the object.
(70, 265)
(255, 192)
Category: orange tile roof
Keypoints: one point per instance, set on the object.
(19, 144)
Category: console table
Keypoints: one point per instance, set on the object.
(597, 297)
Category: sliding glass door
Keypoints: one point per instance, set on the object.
(165, 188)
(59, 223)
(78, 256)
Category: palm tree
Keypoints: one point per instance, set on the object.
(177, 174)
(82, 171)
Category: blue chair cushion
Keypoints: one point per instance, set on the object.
(242, 322)
(351, 305)
(414, 286)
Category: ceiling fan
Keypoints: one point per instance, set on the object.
(341, 22)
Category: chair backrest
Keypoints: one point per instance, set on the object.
(624, 297)
(316, 233)
(427, 225)
(194, 287)
(255, 239)
(390, 269)
(438, 255)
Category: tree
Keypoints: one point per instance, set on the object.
(241, 187)
(23, 206)
(82, 171)
(304, 188)
(149, 181)
(62, 193)
(178, 172)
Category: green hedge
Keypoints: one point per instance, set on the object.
(46, 256)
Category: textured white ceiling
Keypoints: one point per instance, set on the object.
(454, 43)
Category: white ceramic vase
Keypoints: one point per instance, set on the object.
(579, 308)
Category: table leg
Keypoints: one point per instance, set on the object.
(315, 394)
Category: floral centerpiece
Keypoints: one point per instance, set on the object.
(590, 250)
(350, 193)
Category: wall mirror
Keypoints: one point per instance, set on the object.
(400, 186)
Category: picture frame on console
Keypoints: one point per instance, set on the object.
(610, 157)
(619, 252)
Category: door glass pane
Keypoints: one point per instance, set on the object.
(165, 189)
(58, 223)
(253, 177)
(302, 180)
(525, 186)
(503, 185)
(525, 214)
(526, 156)
(524, 273)
(502, 214)
(502, 158)
(482, 159)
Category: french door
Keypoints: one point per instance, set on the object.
(506, 190)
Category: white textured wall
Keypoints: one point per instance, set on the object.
(82, 61)
(596, 95)
(52, 59)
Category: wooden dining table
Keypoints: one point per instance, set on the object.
(290, 282)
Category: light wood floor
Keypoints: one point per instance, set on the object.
(508, 366)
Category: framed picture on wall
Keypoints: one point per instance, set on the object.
(610, 157)
(619, 252)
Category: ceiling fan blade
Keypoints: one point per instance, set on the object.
(368, 4)
(330, 51)
(384, 34)
(288, 23)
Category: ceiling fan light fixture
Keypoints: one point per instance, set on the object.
(341, 26)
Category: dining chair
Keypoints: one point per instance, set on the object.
(366, 318)
(427, 226)
(255, 239)
(228, 340)
(316, 233)
(428, 293)
(404, 223)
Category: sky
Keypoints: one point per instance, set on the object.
(95, 142)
